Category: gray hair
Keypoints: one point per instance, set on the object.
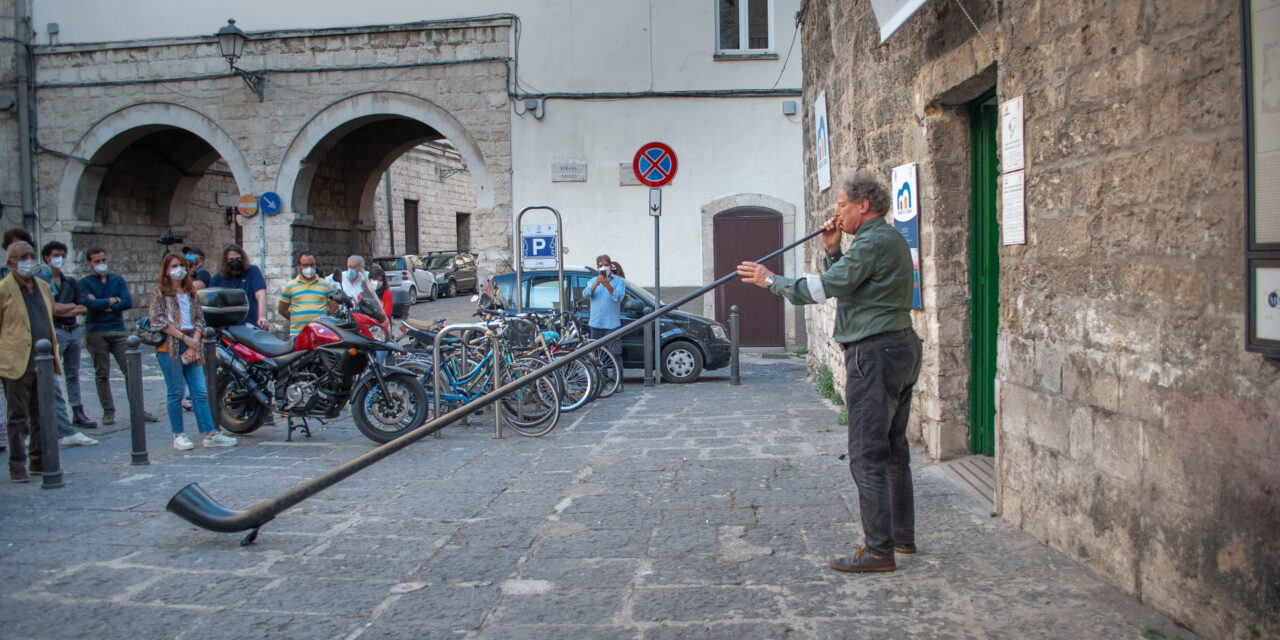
(863, 184)
(359, 259)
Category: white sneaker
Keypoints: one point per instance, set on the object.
(219, 440)
(182, 443)
(77, 439)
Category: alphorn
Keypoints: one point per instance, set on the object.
(196, 506)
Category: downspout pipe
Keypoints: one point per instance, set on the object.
(26, 149)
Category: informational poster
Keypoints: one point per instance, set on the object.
(1266, 305)
(1013, 216)
(822, 150)
(1011, 139)
(906, 219)
(1266, 120)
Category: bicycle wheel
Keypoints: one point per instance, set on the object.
(532, 409)
(580, 384)
(610, 372)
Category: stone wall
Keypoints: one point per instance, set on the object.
(1133, 430)
(10, 170)
(437, 179)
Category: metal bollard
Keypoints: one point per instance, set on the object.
(648, 354)
(51, 459)
(137, 428)
(734, 378)
(211, 375)
(497, 382)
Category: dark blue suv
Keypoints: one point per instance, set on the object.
(690, 344)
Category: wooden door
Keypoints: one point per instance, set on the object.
(747, 234)
(411, 246)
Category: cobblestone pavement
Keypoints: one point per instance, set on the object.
(703, 510)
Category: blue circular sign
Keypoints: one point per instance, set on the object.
(269, 203)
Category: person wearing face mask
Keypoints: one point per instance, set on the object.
(66, 326)
(306, 297)
(26, 317)
(378, 284)
(606, 293)
(199, 275)
(175, 312)
(107, 297)
(237, 273)
(354, 280)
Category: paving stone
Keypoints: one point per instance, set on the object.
(704, 603)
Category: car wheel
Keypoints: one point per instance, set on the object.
(451, 289)
(432, 296)
(681, 362)
(413, 294)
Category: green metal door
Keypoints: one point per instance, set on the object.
(984, 274)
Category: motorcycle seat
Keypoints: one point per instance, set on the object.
(263, 342)
(420, 325)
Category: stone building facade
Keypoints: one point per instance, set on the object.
(145, 137)
(1132, 429)
(433, 179)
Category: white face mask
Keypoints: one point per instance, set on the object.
(377, 284)
(26, 268)
(100, 269)
(308, 272)
(177, 273)
(606, 270)
(57, 262)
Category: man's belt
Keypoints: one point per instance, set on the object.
(879, 336)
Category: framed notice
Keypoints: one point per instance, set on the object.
(822, 150)
(906, 219)
(1013, 215)
(1260, 21)
(1011, 140)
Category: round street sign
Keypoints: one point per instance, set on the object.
(654, 164)
(248, 205)
(269, 203)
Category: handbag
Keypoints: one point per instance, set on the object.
(148, 335)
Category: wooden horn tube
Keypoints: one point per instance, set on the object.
(196, 506)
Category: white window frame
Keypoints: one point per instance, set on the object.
(744, 31)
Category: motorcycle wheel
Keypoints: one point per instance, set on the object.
(384, 419)
(239, 411)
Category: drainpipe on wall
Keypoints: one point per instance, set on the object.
(391, 232)
(26, 154)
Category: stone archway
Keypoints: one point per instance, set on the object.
(109, 137)
(318, 136)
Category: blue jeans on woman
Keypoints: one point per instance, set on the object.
(178, 379)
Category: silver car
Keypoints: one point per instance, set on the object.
(409, 273)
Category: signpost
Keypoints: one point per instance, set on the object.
(538, 248)
(269, 203)
(655, 165)
(247, 205)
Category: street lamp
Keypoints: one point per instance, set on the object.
(231, 44)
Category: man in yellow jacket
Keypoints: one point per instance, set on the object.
(26, 316)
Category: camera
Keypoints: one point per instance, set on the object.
(168, 239)
(604, 271)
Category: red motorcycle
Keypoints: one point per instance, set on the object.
(332, 362)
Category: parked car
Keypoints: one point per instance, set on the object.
(691, 344)
(409, 273)
(454, 271)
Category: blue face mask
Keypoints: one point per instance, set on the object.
(352, 274)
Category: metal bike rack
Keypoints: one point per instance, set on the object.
(465, 328)
(516, 288)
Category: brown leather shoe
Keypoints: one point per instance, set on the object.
(863, 561)
(907, 548)
(18, 472)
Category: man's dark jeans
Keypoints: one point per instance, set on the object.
(103, 345)
(24, 419)
(880, 373)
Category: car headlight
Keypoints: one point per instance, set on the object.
(718, 332)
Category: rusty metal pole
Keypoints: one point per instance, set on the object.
(734, 378)
(137, 428)
(51, 459)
